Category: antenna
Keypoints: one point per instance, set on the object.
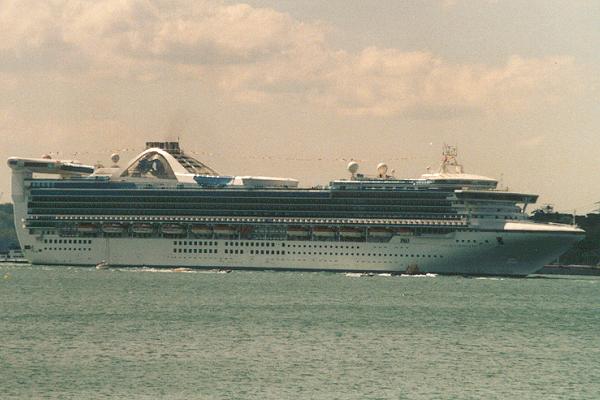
(449, 160)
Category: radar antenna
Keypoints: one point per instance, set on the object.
(450, 164)
(353, 168)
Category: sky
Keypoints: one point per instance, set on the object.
(298, 88)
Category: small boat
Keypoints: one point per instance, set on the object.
(412, 269)
(224, 230)
(298, 231)
(102, 265)
(87, 228)
(201, 230)
(142, 228)
(172, 229)
(351, 232)
(323, 231)
(381, 233)
(213, 180)
(113, 228)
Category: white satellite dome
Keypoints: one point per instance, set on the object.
(382, 169)
(353, 167)
(115, 158)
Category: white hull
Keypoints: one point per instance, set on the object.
(487, 247)
(521, 253)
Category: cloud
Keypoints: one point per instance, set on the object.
(261, 55)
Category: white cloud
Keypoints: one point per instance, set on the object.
(259, 54)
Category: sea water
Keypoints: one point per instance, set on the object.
(82, 333)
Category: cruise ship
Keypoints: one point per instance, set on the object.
(167, 209)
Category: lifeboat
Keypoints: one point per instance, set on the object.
(351, 232)
(245, 230)
(142, 228)
(172, 229)
(404, 231)
(297, 231)
(113, 227)
(323, 231)
(380, 233)
(87, 228)
(201, 230)
(224, 230)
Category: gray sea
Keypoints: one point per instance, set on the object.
(82, 333)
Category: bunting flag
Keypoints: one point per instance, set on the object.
(203, 154)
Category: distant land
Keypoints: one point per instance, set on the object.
(586, 252)
(8, 236)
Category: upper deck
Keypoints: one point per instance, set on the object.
(163, 180)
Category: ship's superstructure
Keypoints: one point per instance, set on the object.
(167, 209)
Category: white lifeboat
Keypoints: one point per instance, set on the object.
(172, 229)
(86, 227)
(297, 231)
(323, 231)
(380, 233)
(142, 228)
(113, 227)
(202, 230)
(224, 230)
(404, 231)
(349, 232)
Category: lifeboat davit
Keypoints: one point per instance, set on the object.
(323, 231)
(113, 227)
(351, 232)
(172, 229)
(87, 228)
(142, 228)
(380, 233)
(224, 230)
(297, 231)
(201, 230)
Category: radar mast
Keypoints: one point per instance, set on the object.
(450, 164)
